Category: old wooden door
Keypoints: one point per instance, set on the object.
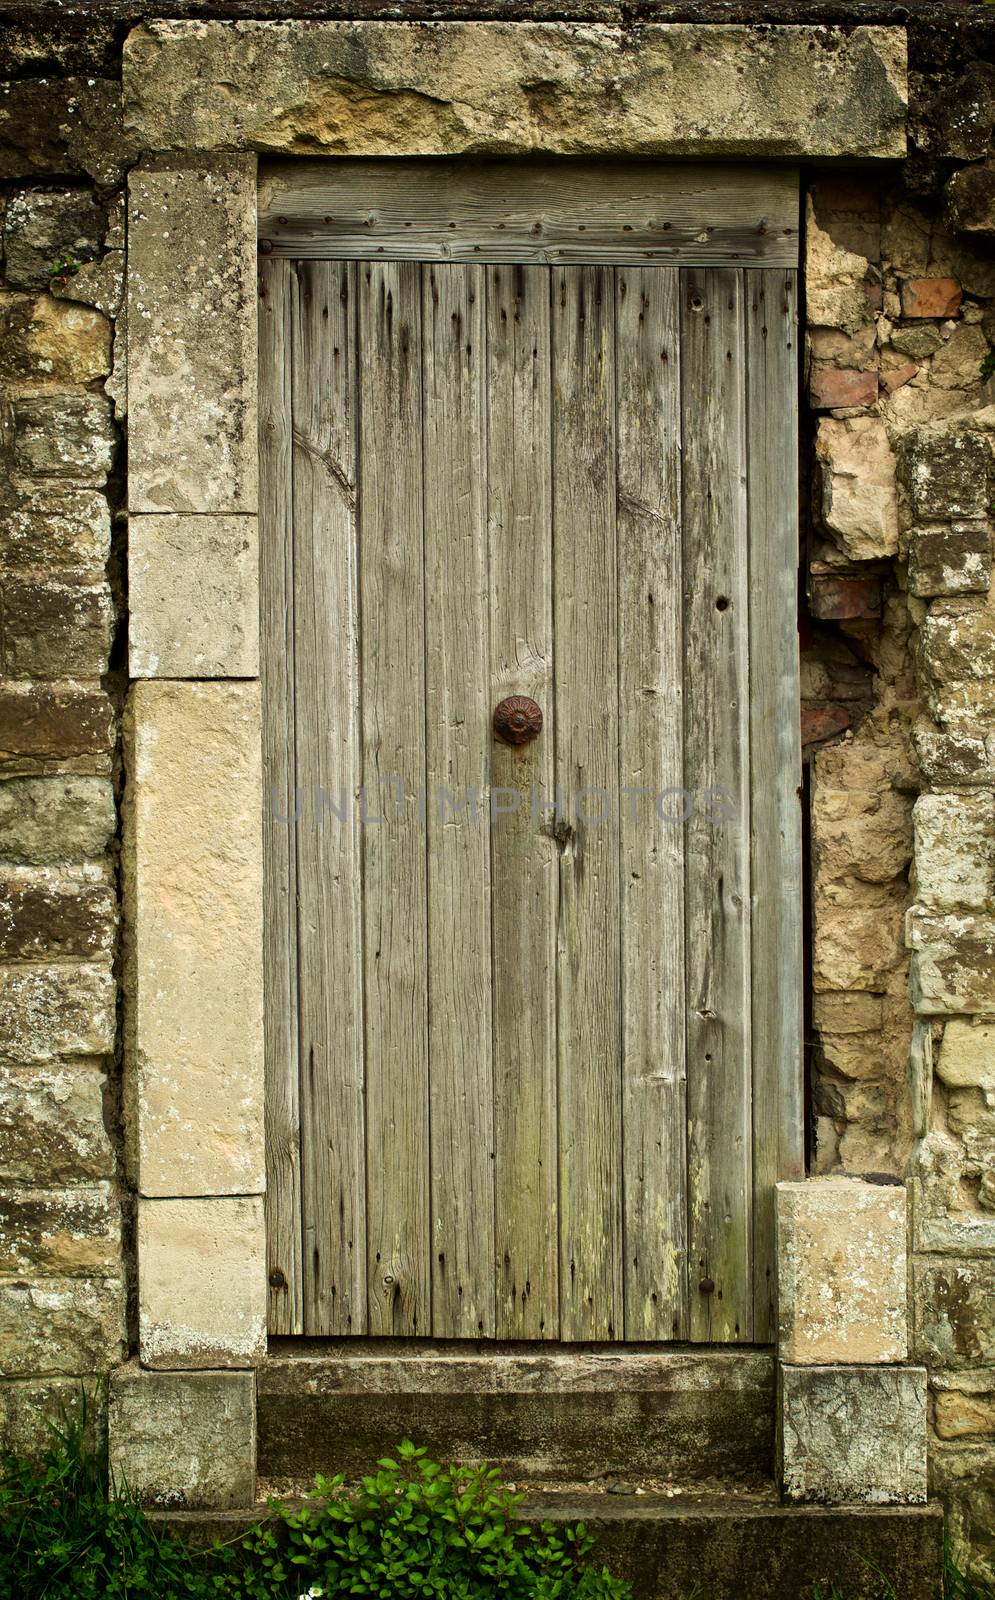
(533, 1011)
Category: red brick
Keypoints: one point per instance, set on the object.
(835, 387)
(897, 377)
(931, 297)
(823, 722)
(834, 599)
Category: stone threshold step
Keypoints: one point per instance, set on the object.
(562, 1415)
(717, 1548)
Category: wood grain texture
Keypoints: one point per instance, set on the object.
(650, 649)
(524, 851)
(329, 774)
(775, 764)
(457, 724)
(716, 766)
(395, 941)
(277, 295)
(555, 211)
(586, 708)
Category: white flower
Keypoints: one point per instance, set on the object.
(314, 1593)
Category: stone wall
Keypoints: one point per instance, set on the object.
(898, 713)
(900, 668)
(63, 1213)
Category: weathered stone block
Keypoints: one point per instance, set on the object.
(957, 655)
(955, 1311)
(192, 357)
(61, 1325)
(193, 865)
(55, 527)
(448, 87)
(60, 1233)
(44, 821)
(931, 297)
(945, 1194)
(863, 832)
(963, 1404)
(835, 293)
(202, 1282)
(184, 1439)
(57, 627)
(963, 1473)
(951, 757)
(97, 283)
(966, 1058)
(43, 229)
(29, 1407)
(68, 436)
(953, 962)
(918, 342)
(955, 851)
(59, 1010)
(853, 1435)
(193, 597)
(53, 1126)
(45, 339)
(841, 1275)
(46, 914)
(970, 200)
(946, 472)
(845, 1014)
(959, 125)
(65, 125)
(954, 560)
(856, 946)
(859, 493)
(42, 723)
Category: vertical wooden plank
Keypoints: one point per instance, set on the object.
(651, 776)
(524, 847)
(716, 765)
(329, 777)
(277, 293)
(586, 642)
(457, 744)
(392, 655)
(775, 762)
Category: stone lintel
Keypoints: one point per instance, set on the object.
(201, 1282)
(184, 1439)
(853, 1435)
(193, 891)
(842, 1276)
(193, 597)
(192, 334)
(498, 88)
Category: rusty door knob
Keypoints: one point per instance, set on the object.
(517, 719)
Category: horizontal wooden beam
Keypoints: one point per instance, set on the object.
(632, 212)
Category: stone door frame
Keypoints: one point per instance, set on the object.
(203, 100)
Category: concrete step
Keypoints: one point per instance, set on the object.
(556, 1415)
(731, 1547)
(753, 1548)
